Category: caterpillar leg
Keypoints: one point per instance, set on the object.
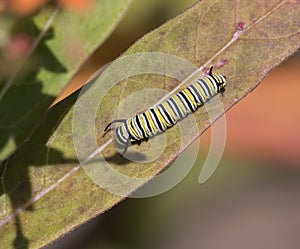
(140, 141)
(128, 143)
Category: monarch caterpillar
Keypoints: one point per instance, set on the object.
(165, 115)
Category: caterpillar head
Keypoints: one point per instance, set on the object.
(121, 136)
(221, 84)
(219, 79)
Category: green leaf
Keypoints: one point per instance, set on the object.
(244, 40)
(63, 41)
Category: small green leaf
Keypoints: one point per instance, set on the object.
(63, 41)
(244, 40)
